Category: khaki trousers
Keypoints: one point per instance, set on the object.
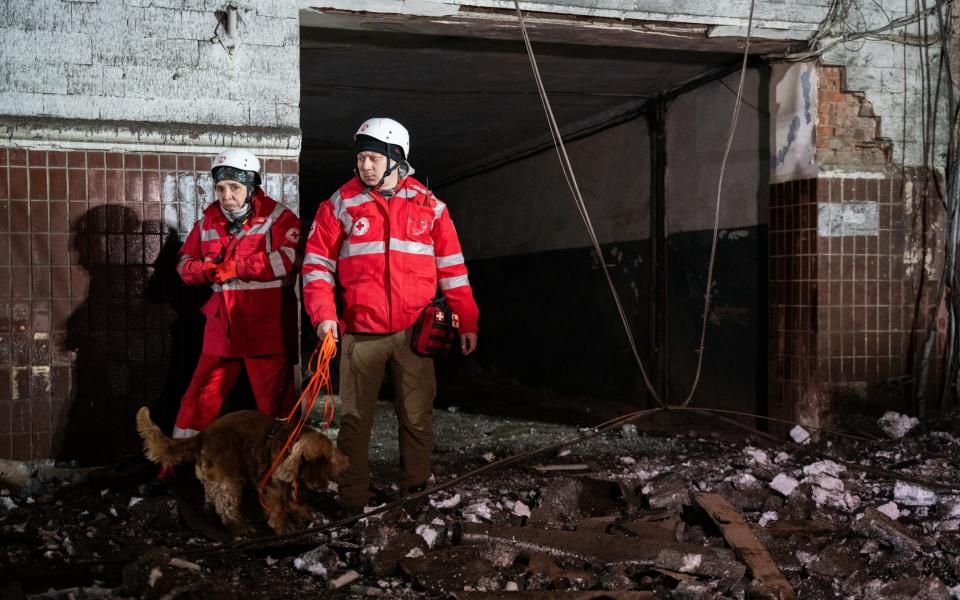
(362, 365)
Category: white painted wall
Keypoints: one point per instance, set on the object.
(526, 206)
(142, 62)
(697, 130)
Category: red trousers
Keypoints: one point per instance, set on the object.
(271, 378)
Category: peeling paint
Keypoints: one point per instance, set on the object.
(735, 234)
(168, 199)
(43, 372)
(849, 218)
(913, 256)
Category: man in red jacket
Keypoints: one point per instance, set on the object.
(383, 242)
(244, 247)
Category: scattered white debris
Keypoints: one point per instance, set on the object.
(512, 586)
(134, 501)
(314, 568)
(768, 517)
(913, 495)
(475, 512)
(745, 481)
(756, 456)
(429, 534)
(890, 509)
(826, 481)
(896, 425)
(155, 575)
(955, 592)
(415, 552)
(271, 561)
(446, 504)
(453, 409)
(627, 460)
(113, 511)
(824, 466)
(629, 430)
(563, 452)
(184, 564)
(438, 521)
(805, 557)
(489, 457)
(7, 503)
(333, 487)
(520, 509)
(784, 484)
(781, 458)
(835, 499)
(68, 546)
(799, 435)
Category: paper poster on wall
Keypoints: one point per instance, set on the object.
(793, 112)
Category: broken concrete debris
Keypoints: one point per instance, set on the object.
(896, 425)
(621, 528)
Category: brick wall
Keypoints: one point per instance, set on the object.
(93, 319)
(846, 280)
(855, 256)
(848, 131)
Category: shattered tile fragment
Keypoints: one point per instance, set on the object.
(913, 495)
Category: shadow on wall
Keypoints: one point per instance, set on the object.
(136, 336)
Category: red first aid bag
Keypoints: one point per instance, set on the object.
(436, 331)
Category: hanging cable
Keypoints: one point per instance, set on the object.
(570, 177)
(716, 216)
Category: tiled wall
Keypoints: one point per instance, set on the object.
(94, 321)
(846, 257)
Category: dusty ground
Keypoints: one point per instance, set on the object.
(109, 532)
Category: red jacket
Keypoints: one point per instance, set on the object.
(255, 314)
(388, 255)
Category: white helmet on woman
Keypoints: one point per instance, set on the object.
(389, 132)
(239, 160)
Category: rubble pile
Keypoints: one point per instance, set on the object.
(628, 514)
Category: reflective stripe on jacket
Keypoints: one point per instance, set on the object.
(388, 256)
(256, 313)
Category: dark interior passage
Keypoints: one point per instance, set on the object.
(549, 327)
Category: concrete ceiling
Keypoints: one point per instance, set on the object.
(471, 102)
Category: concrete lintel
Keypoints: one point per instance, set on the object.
(565, 24)
(442, 8)
(761, 33)
(62, 134)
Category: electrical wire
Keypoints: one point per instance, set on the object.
(716, 216)
(568, 174)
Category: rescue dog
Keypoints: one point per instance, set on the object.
(235, 451)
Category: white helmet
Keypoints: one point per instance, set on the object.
(238, 159)
(387, 131)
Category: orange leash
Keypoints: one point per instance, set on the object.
(320, 382)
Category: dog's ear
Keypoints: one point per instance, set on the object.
(288, 469)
